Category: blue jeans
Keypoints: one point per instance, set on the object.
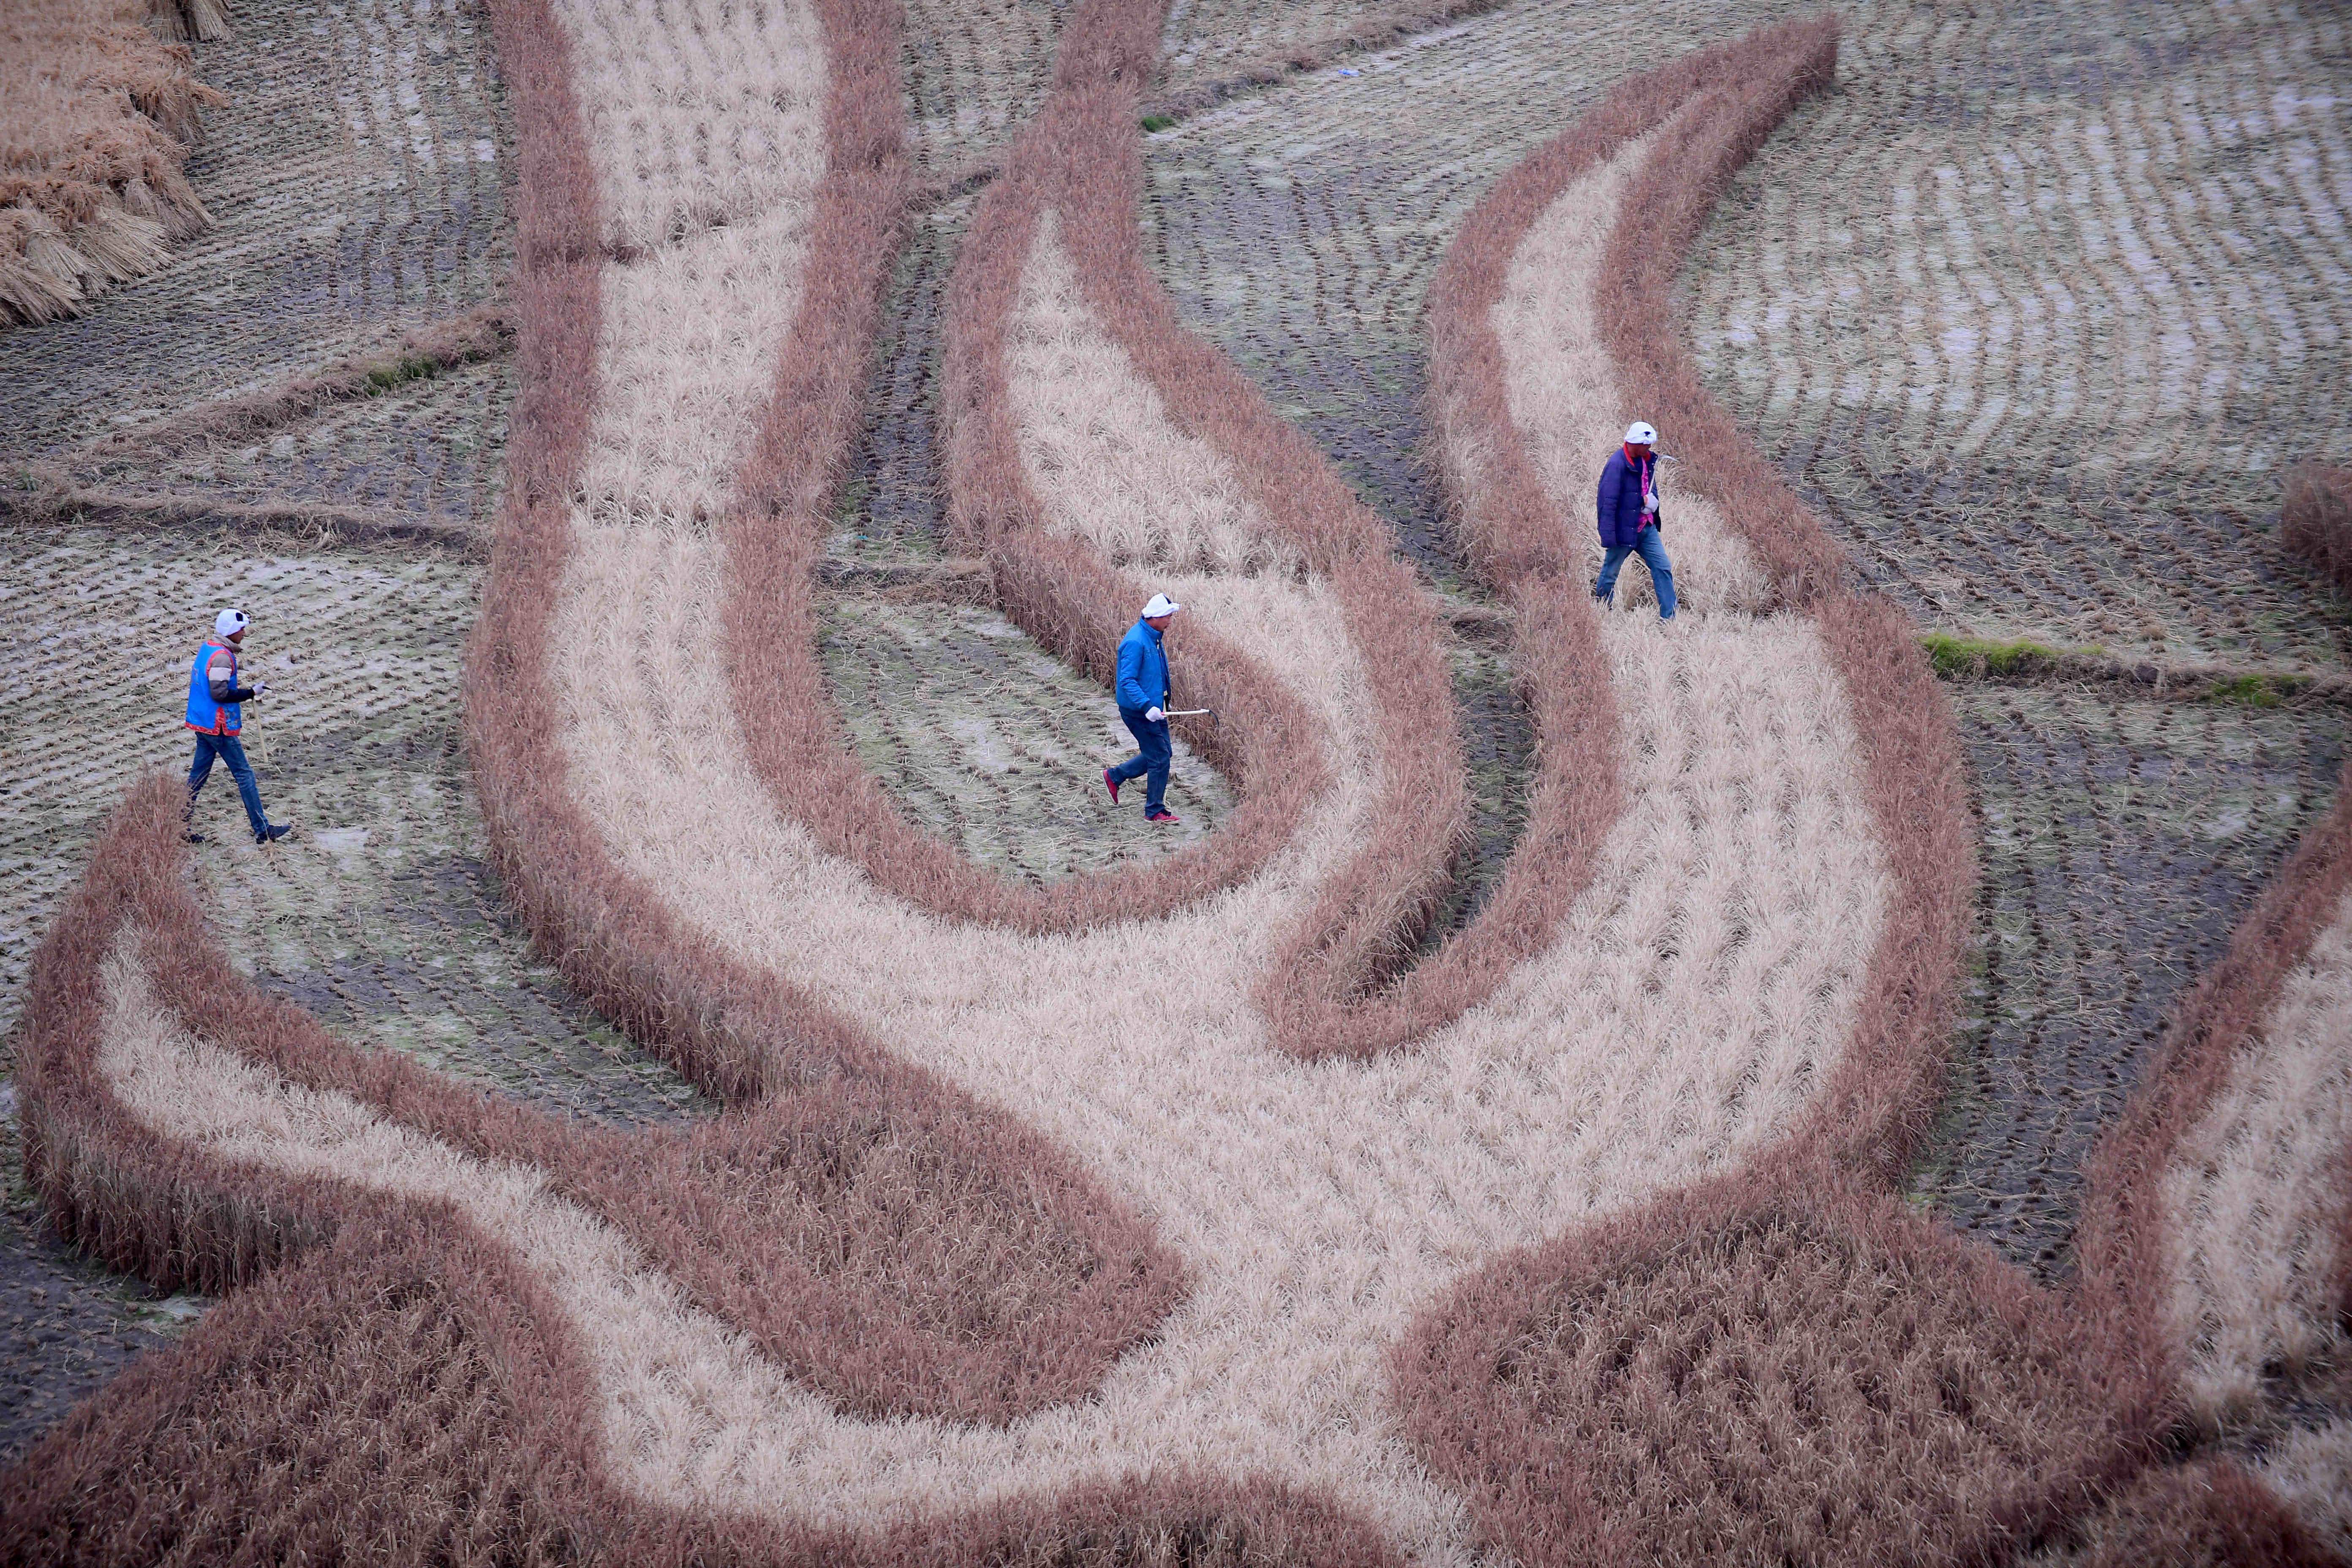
(1654, 556)
(1153, 759)
(227, 749)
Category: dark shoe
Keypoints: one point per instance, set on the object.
(275, 831)
(1163, 816)
(193, 836)
(1111, 785)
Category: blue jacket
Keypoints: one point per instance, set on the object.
(1143, 669)
(1621, 499)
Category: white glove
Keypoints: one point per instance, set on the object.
(1154, 714)
(1650, 501)
(259, 687)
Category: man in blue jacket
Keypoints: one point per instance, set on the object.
(1629, 517)
(1143, 704)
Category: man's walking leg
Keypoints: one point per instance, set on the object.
(199, 771)
(1662, 571)
(1157, 752)
(1137, 765)
(232, 751)
(1612, 561)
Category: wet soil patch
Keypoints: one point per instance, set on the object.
(892, 506)
(67, 1325)
(991, 743)
(2165, 561)
(1499, 746)
(2121, 843)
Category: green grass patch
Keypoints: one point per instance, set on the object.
(2255, 690)
(1958, 658)
(1158, 121)
(400, 373)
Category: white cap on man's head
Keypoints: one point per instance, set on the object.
(228, 623)
(1161, 605)
(1639, 435)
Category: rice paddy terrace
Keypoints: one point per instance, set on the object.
(1860, 1074)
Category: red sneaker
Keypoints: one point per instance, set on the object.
(1163, 816)
(1111, 785)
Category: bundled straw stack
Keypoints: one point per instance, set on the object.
(98, 116)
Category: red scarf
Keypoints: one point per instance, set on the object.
(1641, 467)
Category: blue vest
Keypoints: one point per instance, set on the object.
(205, 716)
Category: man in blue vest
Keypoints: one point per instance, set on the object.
(1143, 704)
(214, 694)
(1629, 517)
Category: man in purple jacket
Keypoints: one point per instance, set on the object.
(1629, 517)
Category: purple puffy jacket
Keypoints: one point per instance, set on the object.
(1621, 497)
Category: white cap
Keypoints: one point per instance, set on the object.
(1161, 605)
(228, 623)
(1639, 435)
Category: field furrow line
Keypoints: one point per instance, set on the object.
(2045, 314)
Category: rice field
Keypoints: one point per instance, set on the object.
(714, 1077)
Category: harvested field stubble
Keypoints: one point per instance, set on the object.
(1212, 49)
(403, 443)
(1207, 40)
(356, 178)
(974, 73)
(2039, 306)
(2316, 522)
(97, 118)
(419, 460)
(2122, 841)
(981, 735)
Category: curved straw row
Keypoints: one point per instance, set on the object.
(165, 1453)
(1556, 1365)
(1801, 1366)
(824, 1095)
(1082, 162)
(2134, 1242)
